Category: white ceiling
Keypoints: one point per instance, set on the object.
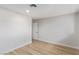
(43, 10)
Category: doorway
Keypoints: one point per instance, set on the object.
(35, 31)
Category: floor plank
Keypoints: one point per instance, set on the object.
(43, 48)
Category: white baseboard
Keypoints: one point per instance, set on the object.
(17, 47)
(58, 43)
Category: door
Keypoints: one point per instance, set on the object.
(35, 31)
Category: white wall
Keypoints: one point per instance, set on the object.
(15, 30)
(77, 28)
(59, 30)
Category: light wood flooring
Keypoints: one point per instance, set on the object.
(43, 48)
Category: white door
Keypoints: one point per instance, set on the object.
(35, 31)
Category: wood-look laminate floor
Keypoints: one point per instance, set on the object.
(43, 48)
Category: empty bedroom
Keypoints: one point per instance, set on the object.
(39, 29)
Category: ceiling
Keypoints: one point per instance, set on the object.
(43, 10)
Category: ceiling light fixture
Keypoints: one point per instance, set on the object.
(27, 11)
(33, 5)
